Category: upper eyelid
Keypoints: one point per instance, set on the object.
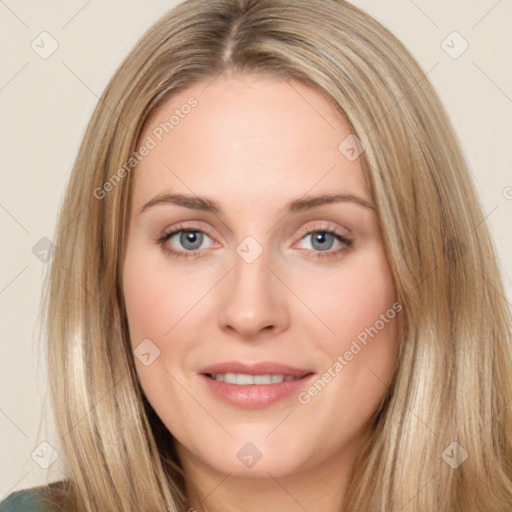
(183, 226)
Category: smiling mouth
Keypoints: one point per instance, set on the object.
(254, 388)
(244, 379)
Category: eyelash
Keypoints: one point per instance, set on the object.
(162, 242)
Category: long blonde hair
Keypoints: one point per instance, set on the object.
(453, 372)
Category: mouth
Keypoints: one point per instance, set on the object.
(254, 386)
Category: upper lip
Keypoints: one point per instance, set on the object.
(257, 368)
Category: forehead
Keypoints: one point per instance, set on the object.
(247, 136)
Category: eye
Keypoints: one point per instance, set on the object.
(322, 241)
(191, 240)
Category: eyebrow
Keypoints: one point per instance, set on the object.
(209, 205)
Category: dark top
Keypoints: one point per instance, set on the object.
(31, 500)
(22, 501)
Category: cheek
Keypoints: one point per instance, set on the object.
(362, 304)
(363, 312)
(157, 302)
(348, 302)
(145, 302)
(156, 299)
(359, 306)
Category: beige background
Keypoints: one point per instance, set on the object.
(45, 105)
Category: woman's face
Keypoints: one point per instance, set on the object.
(235, 269)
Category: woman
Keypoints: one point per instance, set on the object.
(335, 337)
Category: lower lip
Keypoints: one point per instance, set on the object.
(255, 396)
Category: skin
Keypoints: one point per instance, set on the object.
(252, 144)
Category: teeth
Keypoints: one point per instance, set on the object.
(244, 379)
(262, 379)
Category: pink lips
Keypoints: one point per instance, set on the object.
(254, 396)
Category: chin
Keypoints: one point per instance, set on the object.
(259, 458)
(269, 465)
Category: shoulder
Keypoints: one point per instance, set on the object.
(35, 499)
(26, 500)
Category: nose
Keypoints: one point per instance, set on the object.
(254, 300)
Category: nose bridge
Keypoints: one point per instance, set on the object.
(250, 264)
(252, 300)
